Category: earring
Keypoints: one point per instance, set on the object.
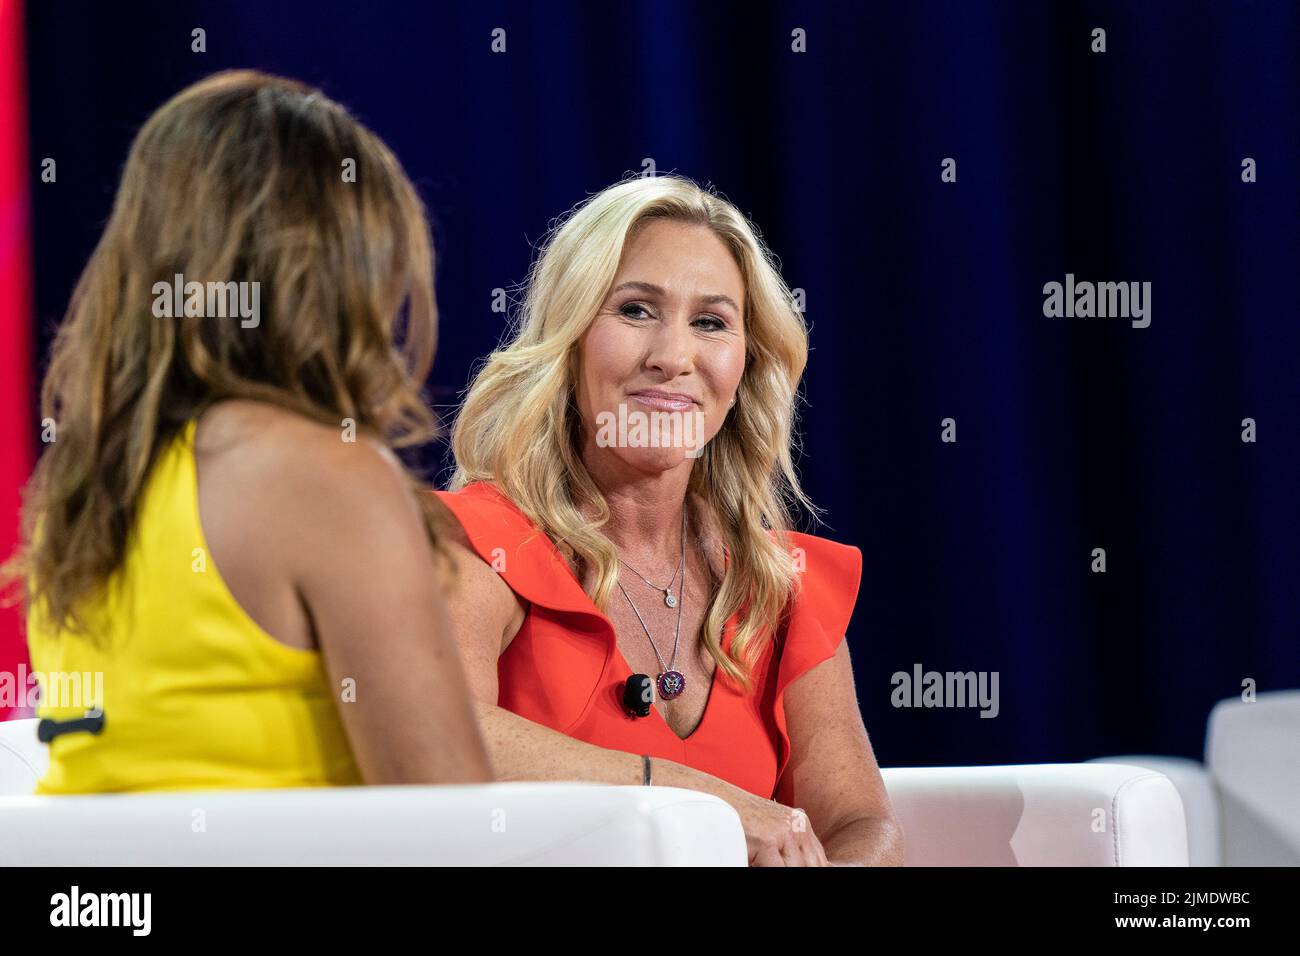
(733, 402)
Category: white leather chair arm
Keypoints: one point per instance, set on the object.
(553, 824)
(1090, 814)
(1200, 802)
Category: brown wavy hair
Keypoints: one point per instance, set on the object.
(239, 178)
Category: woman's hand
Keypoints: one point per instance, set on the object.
(777, 835)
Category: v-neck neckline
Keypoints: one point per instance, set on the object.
(621, 659)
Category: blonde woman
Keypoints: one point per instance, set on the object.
(631, 605)
(220, 528)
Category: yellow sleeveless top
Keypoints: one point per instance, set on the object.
(194, 694)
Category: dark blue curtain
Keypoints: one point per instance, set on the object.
(925, 297)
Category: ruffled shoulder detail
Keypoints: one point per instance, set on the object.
(818, 617)
(517, 549)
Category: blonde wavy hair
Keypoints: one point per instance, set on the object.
(519, 426)
(237, 178)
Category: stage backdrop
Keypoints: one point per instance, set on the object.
(16, 381)
(923, 170)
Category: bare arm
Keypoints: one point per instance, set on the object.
(832, 774)
(365, 571)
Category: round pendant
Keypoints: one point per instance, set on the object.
(671, 684)
(670, 598)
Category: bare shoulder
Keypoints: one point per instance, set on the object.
(290, 510)
(289, 451)
(302, 497)
(479, 599)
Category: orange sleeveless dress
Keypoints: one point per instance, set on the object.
(564, 669)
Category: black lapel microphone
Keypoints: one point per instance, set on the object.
(48, 728)
(638, 695)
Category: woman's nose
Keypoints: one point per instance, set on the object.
(672, 348)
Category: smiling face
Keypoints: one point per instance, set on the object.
(668, 344)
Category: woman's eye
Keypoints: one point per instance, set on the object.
(634, 310)
(711, 323)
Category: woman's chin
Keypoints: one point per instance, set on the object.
(651, 461)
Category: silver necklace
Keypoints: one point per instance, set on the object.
(669, 598)
(671, 683)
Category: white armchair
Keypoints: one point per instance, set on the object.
(552, 824)
(1038, 815)
(1033, 815)
(1243, 803)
